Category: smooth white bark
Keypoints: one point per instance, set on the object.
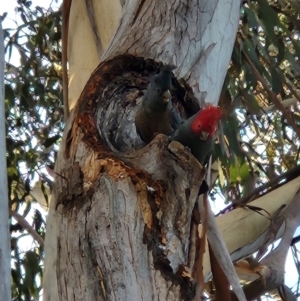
(196, 36)
(245, 231)
(83, 55)
(200, 47)
(5, 270)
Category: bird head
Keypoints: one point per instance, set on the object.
(162, 83)
(205, 122)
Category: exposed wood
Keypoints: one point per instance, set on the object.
(200, 245)
(220, 281)
(245, 271)
(128, 212)
(149, 193)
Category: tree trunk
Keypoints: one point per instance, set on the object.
(80, 68)
(121, 223)
(92, 24)
(5, 270)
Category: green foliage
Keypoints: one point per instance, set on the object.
(269, 35)
(257, 137)
(238, 172)
(34, 122)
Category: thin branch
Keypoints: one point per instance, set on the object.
(22, 221)
(293, 89)
(295, 240)
(270, 185)
(200, 252)
(275, 261)
(271, 268)
(288, 115)
(66, 7)
(220, 250)
(286, 103)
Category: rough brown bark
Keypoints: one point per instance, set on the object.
(213, 68)
(128, 213)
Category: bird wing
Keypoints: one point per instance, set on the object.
(175, 119)
(142, 125)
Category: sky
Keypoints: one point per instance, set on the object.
(291, 276)
(10, 5)
(25, 243)
(12, 19)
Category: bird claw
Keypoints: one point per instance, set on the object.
(188, 149)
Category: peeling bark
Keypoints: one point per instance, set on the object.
(182, 33)
(130, 210)
(120, 221)
(272, 268)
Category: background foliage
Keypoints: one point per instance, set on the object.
(261, 140)
(34, 122)
(262, 143)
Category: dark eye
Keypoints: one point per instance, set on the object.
(158, 90)
(198, 126)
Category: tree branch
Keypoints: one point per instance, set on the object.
(265, 188)
(288, 115)
(219, 249)
(271, 268)
(21, 220)
(66, 7)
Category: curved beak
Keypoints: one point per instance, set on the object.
(166, 96)
(204, 135)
